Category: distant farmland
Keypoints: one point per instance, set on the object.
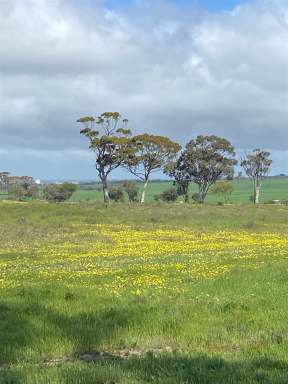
(273, 189)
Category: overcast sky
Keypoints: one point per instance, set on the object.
(176, 68)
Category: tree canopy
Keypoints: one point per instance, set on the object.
(110, 143)
(205, 160)
(256, 166)
(177, 171)
(148, 154)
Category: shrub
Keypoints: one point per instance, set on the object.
(223, 189)
(132, 191)
(69, 187)
(169, 196)
(196, 197)
(116, 194)
(58, 193)
(157, 197)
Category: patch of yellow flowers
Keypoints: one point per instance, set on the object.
(119, 258)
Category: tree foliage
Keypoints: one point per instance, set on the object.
(21, 187)
(116, 194)
(58, 193)
(109, 143)
(223, 189)
(256, 166)
(131, 188)
(168, 196)
(205, 160)
(181, 180)
(149, 154)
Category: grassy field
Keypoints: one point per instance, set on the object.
(143, 294)
(273, 189)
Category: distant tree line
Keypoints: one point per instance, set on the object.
(25, 188)
(207, 161)
(18, 187)
(204, 161)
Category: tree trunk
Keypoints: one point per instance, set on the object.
(186, 197)
(105, 189)
(144, 192)
(201, 194)
(257, 188)
(201, 198)
(257, 195)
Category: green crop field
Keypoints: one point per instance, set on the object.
(273, 189)
(130, 294)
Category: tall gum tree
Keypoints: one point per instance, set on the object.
(256, 166)
(176, 170)
(205, 160)
(149, 154)
(110, 143)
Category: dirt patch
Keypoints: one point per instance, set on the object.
(103, 356)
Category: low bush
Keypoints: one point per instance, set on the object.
(223, 189)
(116, 194)
(195, 197)
(168, 196)
(57, 193)
(132, 191)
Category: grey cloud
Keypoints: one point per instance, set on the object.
(172, 71)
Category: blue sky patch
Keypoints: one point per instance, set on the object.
(211, 5)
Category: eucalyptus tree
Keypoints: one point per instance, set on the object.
(256, 166)
(205, 160)
(110, 143)
(177, 171)
(149, 154)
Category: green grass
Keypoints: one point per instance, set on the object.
(229, 329)
(272, 189)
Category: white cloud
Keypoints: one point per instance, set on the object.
(171, 71)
